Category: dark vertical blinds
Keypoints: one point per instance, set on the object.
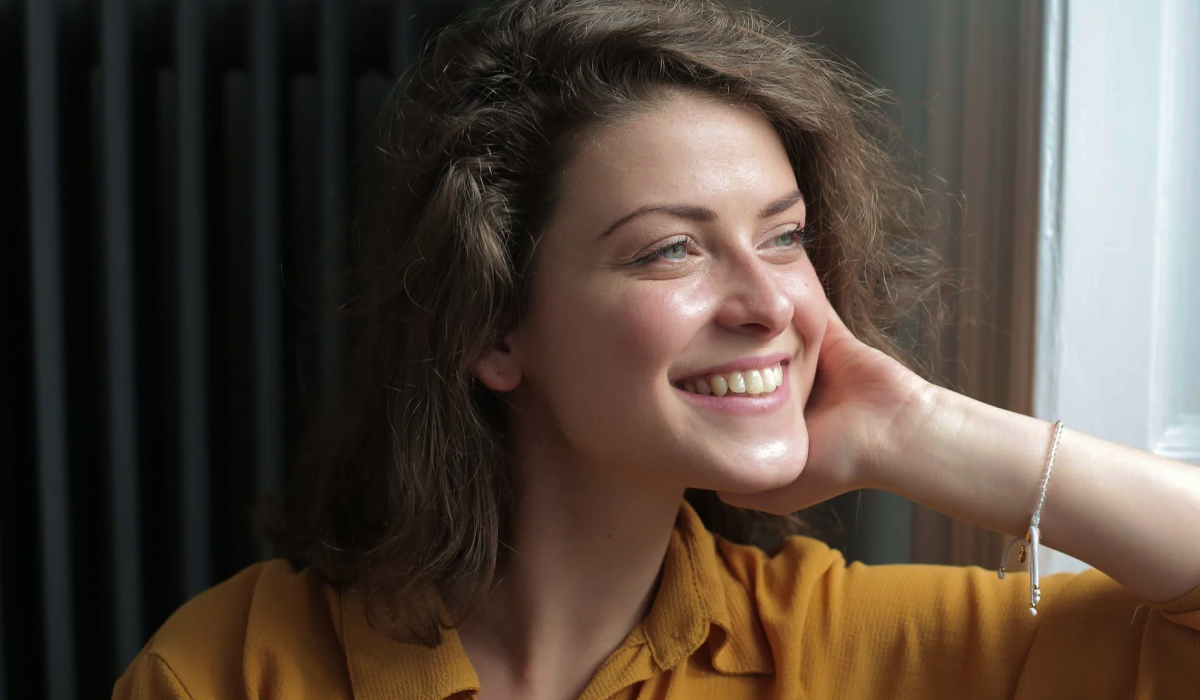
(49, 364)
(120, 364)
(174, 196)
(266, 323)
(192, 424)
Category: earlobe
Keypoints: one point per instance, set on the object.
(498, 369)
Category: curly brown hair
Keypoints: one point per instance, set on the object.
(404, 489)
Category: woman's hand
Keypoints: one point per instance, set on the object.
(854, 417)
(872, 423)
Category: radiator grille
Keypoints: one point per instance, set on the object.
(175, 178)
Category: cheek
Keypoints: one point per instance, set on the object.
(810, 319)
(633, 328)
(810, 304)
(596, 356)
(658, 321)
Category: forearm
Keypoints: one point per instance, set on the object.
(1133, 515)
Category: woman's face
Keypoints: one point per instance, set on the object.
(671, 272)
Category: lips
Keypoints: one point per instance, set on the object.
(751, 382)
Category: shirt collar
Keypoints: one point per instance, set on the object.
(380, 667)
(698, 601)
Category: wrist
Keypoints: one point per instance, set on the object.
(912, 437)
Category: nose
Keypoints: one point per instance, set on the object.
(755, 299)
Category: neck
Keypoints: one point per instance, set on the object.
(586, 552)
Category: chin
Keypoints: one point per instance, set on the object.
(754, 475)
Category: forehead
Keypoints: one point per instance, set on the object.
(681, 148)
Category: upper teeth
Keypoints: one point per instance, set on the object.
(753, 382)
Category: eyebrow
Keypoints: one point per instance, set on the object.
(702, 214)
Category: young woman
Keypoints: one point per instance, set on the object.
(627, 251)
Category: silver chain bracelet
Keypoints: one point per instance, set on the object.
(1031, 541)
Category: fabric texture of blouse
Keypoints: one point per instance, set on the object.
(727, 622)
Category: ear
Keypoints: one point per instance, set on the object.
(498, 369)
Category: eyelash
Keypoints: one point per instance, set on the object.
(802, 236)
(660, 251)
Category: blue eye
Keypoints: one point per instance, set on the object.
(793, 237)
(674, 251)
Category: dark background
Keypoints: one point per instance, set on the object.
(176, 178)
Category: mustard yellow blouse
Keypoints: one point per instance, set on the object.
(728, 622)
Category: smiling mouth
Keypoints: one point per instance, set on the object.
(754, 382)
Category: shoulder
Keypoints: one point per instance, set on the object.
(255, 635)
(806, 589)
(798, 564)
(808, 582)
